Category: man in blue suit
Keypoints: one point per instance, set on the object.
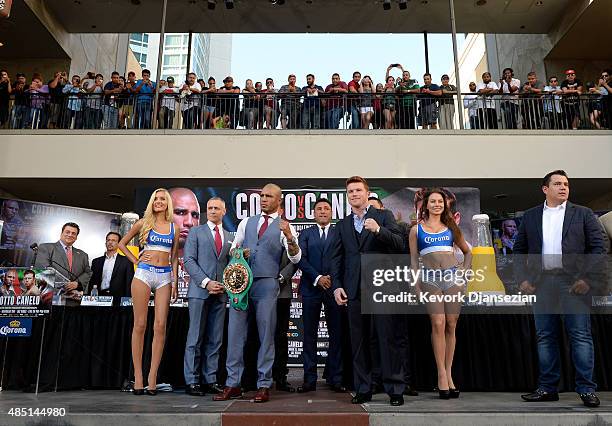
(560, 251)
(367, 231)
(206, 255)
(315, 288)
(264, 237)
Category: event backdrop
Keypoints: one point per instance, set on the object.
(298, 205)
(23, 223)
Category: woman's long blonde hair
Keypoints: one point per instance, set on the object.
(148, 219)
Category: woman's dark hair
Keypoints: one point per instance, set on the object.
(446, 217)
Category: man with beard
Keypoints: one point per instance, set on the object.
(186, 216)
(186, 213)
(264, 237)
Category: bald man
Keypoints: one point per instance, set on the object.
(186, 213)
(266, 237)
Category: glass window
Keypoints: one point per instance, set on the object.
(174, 40)
(174, 60)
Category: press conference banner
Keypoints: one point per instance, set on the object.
(26, 292)
(24, 223)
(298, 208)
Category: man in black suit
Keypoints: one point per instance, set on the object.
(402, 323)
(316, 291)
(558, 254)
(367, 231)
(112, 273)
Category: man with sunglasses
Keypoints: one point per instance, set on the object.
(572, 89)
(606, 82)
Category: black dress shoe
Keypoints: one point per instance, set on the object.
(589, 399)
(151, 392)
(138, 391)
(212, 388)
(338, 388)
(454, 393)
(410, 391)
(540, 396)
(444, 394)
(361, 398)
(194, 390)
(306, 388)
(396, 400)
(284, 386)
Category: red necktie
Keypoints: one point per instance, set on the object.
(218, 242)
(264, 226)
(69, 256)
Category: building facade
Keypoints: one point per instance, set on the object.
(206, 58)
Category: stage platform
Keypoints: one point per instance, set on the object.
(112, 407)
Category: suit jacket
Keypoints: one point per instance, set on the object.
(347, 249)
(287, 270)
(201, 260)
(121, 277)
(581, 235)
(48, 253)
(315, 259)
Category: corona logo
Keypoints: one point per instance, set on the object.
(15, 323)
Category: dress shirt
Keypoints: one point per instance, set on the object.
(326, 230)
(239, 238)
(552, 233)
(107, 271)
(358, 222)
(211, 226)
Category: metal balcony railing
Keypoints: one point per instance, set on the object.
(263, 110)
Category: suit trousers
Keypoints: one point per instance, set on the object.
(362, 327)
(281, 341)
(264, 307)
(311, 312)
(204, 340)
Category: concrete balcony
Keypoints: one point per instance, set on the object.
(286, 154)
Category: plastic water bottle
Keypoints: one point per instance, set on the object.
(483, 258)
(94, 291)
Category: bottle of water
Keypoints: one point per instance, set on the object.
(94, 291)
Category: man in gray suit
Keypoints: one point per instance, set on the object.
(206, 255)
(68, 261)
(265, 236)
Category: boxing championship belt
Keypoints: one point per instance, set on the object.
(237, 279)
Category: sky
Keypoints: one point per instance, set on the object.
(257, 56)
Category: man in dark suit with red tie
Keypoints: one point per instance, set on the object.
(112, 273)
(67, 260)
(316, 290)
(367, 231)
(206, 256)
(559, 253)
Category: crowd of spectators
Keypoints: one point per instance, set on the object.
(400, 103)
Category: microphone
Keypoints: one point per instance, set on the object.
(34, 248)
